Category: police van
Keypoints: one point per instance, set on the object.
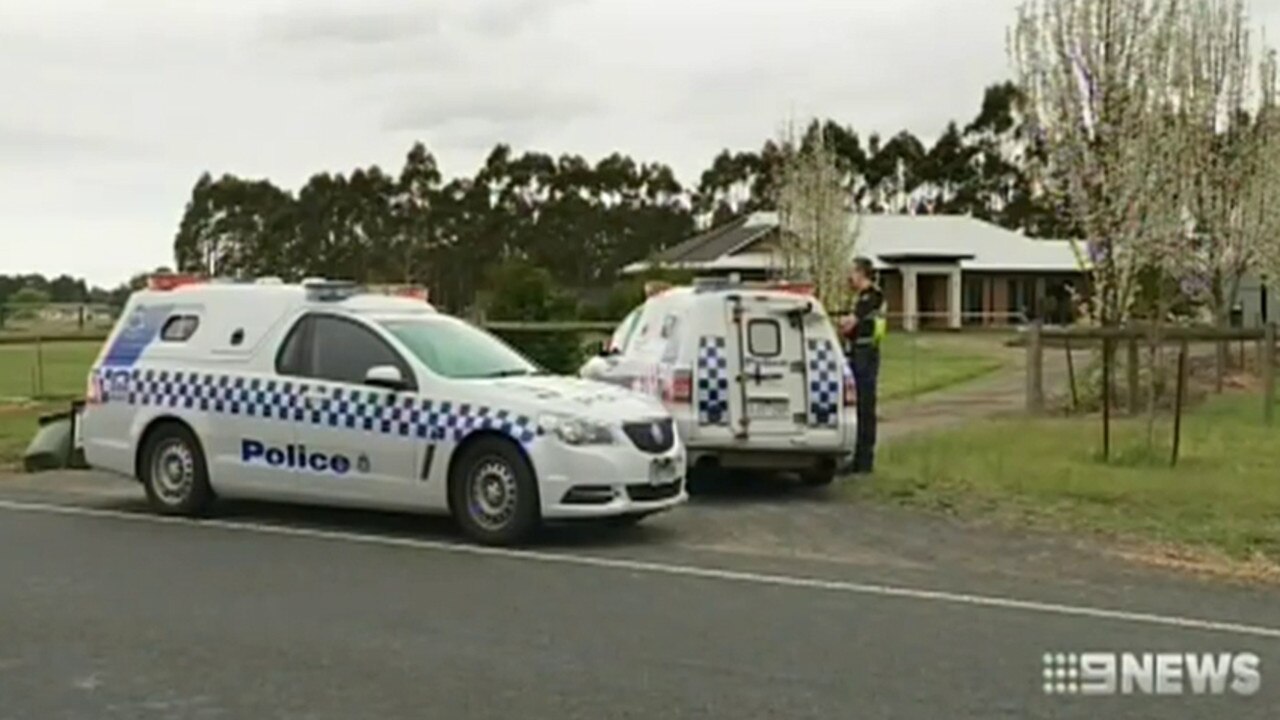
(322, 392)
(753, 374)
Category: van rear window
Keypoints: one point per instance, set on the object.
(764, 338)
(179, 328)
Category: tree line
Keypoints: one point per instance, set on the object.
(582, 221)
(37, 289)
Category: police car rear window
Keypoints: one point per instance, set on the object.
(179, 328)
(764, 338)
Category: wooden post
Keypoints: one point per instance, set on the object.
(1107, 356)
(1269, 372)
(1071, 376)
(1035, 369)
(39, 367)
(1177, 402)
(1131, 366)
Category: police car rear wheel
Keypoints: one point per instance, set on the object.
(174, 472)
(494, 495)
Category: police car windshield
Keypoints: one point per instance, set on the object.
(454, 349)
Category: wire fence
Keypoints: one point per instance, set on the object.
(1139, 369)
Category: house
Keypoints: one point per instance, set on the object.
(1258, 304)
(936, 270)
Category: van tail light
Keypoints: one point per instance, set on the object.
(850, 393)
(92, 390)
(680, 389)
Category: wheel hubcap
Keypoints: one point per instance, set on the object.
(173, 471)
(492, 492)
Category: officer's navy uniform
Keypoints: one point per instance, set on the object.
(862, 348)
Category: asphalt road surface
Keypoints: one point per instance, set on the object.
(723, 609)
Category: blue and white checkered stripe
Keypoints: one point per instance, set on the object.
(825, 383)
(713, 381)
(365, 410)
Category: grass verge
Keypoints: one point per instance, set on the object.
(55, 370)
(912, 365)
(18, 424)
(1221, 501)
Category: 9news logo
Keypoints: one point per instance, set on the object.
(1162, 673)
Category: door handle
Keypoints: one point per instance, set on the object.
(313, 399)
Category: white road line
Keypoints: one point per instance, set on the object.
(856, 588)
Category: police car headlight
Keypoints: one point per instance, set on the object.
(575, 430)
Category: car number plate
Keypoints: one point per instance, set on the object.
(768, 409)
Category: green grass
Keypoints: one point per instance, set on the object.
(65, 367)
(1224, 495)
(912, 365)
(18, 424)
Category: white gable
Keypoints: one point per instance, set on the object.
(980, 245)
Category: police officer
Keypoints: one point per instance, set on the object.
(862, 329)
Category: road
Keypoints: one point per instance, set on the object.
(272, 612)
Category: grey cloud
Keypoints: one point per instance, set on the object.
(26, 143)
(354, 27)
(501, 18)
(513, 108)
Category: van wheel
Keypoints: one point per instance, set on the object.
(174, 472)
(820, 477)
(493, 493)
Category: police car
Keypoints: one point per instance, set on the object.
(753, 373)
(325, 393)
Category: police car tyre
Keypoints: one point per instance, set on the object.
(173, 471)
(493, 493)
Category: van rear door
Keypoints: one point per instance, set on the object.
(766, 352)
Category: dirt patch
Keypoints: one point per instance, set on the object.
(1257, 570)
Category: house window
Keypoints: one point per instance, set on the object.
(973, 305)
(1020, 298)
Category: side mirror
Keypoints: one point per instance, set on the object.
(386, 376)
(603, 350)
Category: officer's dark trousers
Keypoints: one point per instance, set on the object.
(865, 365)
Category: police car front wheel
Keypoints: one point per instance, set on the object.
(174, 472)
(493, 493)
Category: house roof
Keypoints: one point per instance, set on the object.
(724, 240)
(888, 240)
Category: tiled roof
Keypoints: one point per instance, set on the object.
(978, 245)
(720, 241)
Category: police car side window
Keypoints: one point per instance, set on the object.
(179, 328)
(622, 335)
(343, 351)
(291, 359)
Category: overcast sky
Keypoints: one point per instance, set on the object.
(110, 109)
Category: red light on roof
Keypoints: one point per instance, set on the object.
(413, 292)
(169, 281)
(797, 288)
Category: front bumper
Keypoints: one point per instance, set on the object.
(606, 480)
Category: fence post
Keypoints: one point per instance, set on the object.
(1131, 366)
(1035, 369)
(1071, 375)
(39, 367)
(1269, 372)
(1108, 358)
(1177, 403)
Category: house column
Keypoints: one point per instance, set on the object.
(910, 299)
(955, 309)
(1041, 297)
